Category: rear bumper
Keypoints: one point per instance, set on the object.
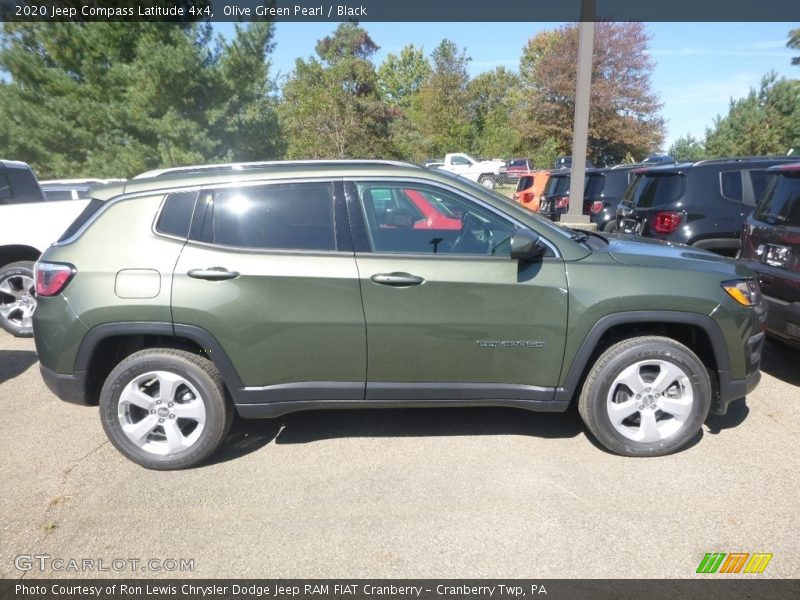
(69, 388)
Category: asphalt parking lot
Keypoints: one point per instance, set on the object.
(402, 493)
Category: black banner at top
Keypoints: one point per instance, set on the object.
(400, 10)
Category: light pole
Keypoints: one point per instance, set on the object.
(580, 132)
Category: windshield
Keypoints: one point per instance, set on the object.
(781, 203)
(655, 189)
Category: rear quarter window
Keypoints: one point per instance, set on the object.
(83, 218)
(730, 185)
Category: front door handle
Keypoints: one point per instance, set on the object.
(397, 279)
(213, 274)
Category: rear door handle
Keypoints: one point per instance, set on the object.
(213, 274)
(397, 279)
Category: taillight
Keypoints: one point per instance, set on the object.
(526, 197)
(52, 278)
(562, 202)
(596, 207)
(667, 221)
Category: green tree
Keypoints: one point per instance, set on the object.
(794, 43)
(331, 104)
(624, 117)
(439, 113)
(493, 98)
(114, 99)
(687, 149)
(400, 77)
(766, 121)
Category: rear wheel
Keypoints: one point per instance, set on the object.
(646, 396)
(488, 181)
(165, 409)
(17, 298)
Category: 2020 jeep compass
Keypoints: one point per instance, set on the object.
(291, 286)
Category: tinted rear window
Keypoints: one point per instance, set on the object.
(88, 212)
(655, 189)
(557, 186)
(593, 184)
(524, 183)
(781, 203)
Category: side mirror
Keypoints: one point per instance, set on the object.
(526, 245)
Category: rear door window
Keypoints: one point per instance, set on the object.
(759, 179)
(24, 184)
(655, 189)
(287, 216)
(593, 184)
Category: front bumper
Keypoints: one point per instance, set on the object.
(733, 389)
(69, 388)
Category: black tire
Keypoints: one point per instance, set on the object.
(594, 404)
(198, 372)
(13, 275)
(611, 227)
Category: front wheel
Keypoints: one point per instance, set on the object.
(611, 227)
(17, 298)
(646, 396)
(165, 409)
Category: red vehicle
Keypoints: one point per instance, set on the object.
(433, 211)
(771, 248)
(517, 167)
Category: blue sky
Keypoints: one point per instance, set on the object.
(699, 66)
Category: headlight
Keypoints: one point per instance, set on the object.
(745, 291)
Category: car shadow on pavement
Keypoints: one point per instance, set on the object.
(246, 436)
(15, 362)
(300, 428)
(781, 362)
(737, 413)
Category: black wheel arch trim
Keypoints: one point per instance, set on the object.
(587, 348)
(200, 336)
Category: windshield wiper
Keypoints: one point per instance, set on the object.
(775, 218)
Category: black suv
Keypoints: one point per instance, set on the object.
(702, 204)
(18, 183)
(602, 192)
(771, 247)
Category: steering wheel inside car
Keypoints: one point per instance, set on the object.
(467, 241)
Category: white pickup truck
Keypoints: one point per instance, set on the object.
(28, 225)
(485, 172)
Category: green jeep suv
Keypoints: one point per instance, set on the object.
(176, 300)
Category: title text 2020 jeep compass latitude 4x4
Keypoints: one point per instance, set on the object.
(293, 286)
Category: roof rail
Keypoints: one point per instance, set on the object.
(237, 166)
(713, 161)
